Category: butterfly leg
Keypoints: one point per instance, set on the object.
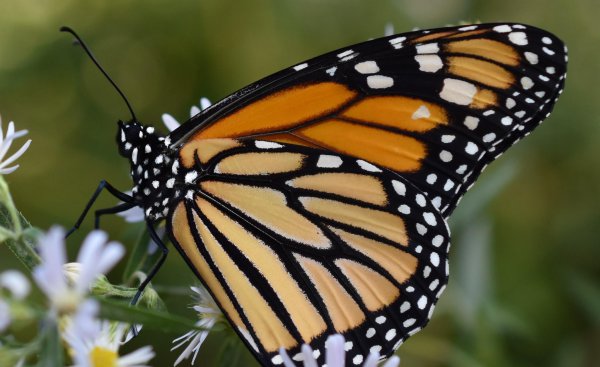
(113, 210)
(111, 189)
(165, 251)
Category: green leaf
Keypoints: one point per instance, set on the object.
(51, 352)
(153, 319)
(587, 295)
(23, 251)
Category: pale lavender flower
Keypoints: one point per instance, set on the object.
(336, 356)
(18, 286)
(209, 314)
(16, 283)
(389, 29)
(66, 286)
(5, 316)
(6, 142)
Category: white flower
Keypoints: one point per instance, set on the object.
(335, 356)
(5, 318)
(67, 285)
(18, 286)
(389, 29)
(132, 215)
(102, 349)
(5, 143)
(209, 314)
(16, 283)
(171, 123)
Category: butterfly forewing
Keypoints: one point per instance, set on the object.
(435, 106)
(297, 243)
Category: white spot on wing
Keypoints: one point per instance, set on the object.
(345, 53)
(367, 67)
(471, 122)
(300, 67)
(458, 91)
(471, 148)
(379, 81)
(331, 71)
(429, 63)
(367, 166)
(531, 57)
(329, 161)
(397, 40)
(502, 28)
(428, 48)
(421, 112)
(261, 144)
(526, 82)
(430, 218)
(399, 187)
(445, 156)
(518, 38)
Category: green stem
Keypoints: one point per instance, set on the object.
(15, 231)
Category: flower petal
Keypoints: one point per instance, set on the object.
(134, 358)
(170, 122)
(287, 362)
(194, 111)
(113, 252)
(16, 283)
(335, 351)
(372, 359)
(205, 103)
(309, 359)
(16, 155)
(394, 361)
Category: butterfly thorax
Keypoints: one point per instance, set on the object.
(154, 168)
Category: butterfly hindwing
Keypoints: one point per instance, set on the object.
(297, 243)
(435, 106)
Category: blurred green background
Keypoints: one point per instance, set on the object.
(525, 265)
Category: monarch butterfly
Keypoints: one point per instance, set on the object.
(315, 201)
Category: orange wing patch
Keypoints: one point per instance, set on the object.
(487, 49)
(409, 114)
(350, 185)
(269, 207)
(481, 71)
(303, 313)
(398, 152)
(375, 291)
(345, 313)
(271, 332)
(281, 111)
(263, 163)
(181, 231)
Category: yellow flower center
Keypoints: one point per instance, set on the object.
(102, 357)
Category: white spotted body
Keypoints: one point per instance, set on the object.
(157, 182)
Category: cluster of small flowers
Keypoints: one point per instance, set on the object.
(66, 286)
(93, 342)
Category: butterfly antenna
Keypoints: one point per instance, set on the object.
(89, 53)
